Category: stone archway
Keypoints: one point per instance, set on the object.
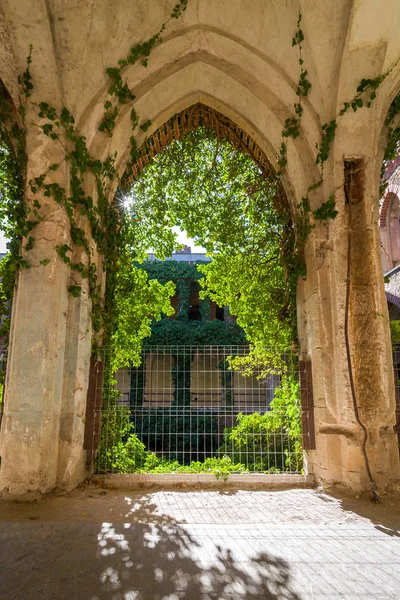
(239, 62)
(389, 224)
(196, 116)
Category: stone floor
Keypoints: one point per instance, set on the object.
(297, 544)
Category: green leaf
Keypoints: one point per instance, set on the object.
(326, 211)
(75, 290)
(30, 243)
(145, 126)
(66, 117)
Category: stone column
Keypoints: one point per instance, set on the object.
(49, 345)
(72, 460)
(345, 331)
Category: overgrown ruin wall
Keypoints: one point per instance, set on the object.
(237, 58)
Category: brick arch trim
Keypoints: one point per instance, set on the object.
(200, 115)
(389, 197)
(395, 300)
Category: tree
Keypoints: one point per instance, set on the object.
(221, 198)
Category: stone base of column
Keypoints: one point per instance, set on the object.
(341, 463)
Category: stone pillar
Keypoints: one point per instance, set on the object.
(42, 431)
(72, 459)
(349, 342)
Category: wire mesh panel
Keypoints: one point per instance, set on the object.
(184, 410)
(396, 365)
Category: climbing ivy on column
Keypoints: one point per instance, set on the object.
(365, 95)
(108, 226)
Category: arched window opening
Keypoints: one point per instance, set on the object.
(12, 215)
(230, 371)
(389, 225)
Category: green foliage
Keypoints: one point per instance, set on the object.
(172, 270)
(304, 85)
(108, 225)
(252, 292)
(326, 211)
(145, 126)
(181, 380)
(25, 80)
(195, 333)
(141, 296)
(366, 94)
(393, 111)
(176, 433)
(182, 331)
(114, 423)
(395, 332)
(328, 135)
(75, 290)
(136, 300)
(182, 274)
(304, 225)
(291, 126)
(120, 449)
(299, 35)
(119, 92)
(282, 157)
(16, 222)
(127, 457)
(271, 440)
(132, 457)
(108, 123)
(220, 467)
(8, 271)
(221, 199)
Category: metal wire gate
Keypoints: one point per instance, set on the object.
(396, 367)
(184, 410)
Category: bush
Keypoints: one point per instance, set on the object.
(220, 467)
(269, 442)
(127, 457)
(182, 437)
(395, 332)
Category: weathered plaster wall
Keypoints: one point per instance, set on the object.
(237, 57)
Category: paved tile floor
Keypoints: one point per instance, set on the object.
(297, 544)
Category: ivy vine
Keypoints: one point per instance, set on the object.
(365, 95)
(119, 92)
(292, 124)
(90, 218)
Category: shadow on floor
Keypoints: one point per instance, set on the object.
(153, 557)
(385, 515)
